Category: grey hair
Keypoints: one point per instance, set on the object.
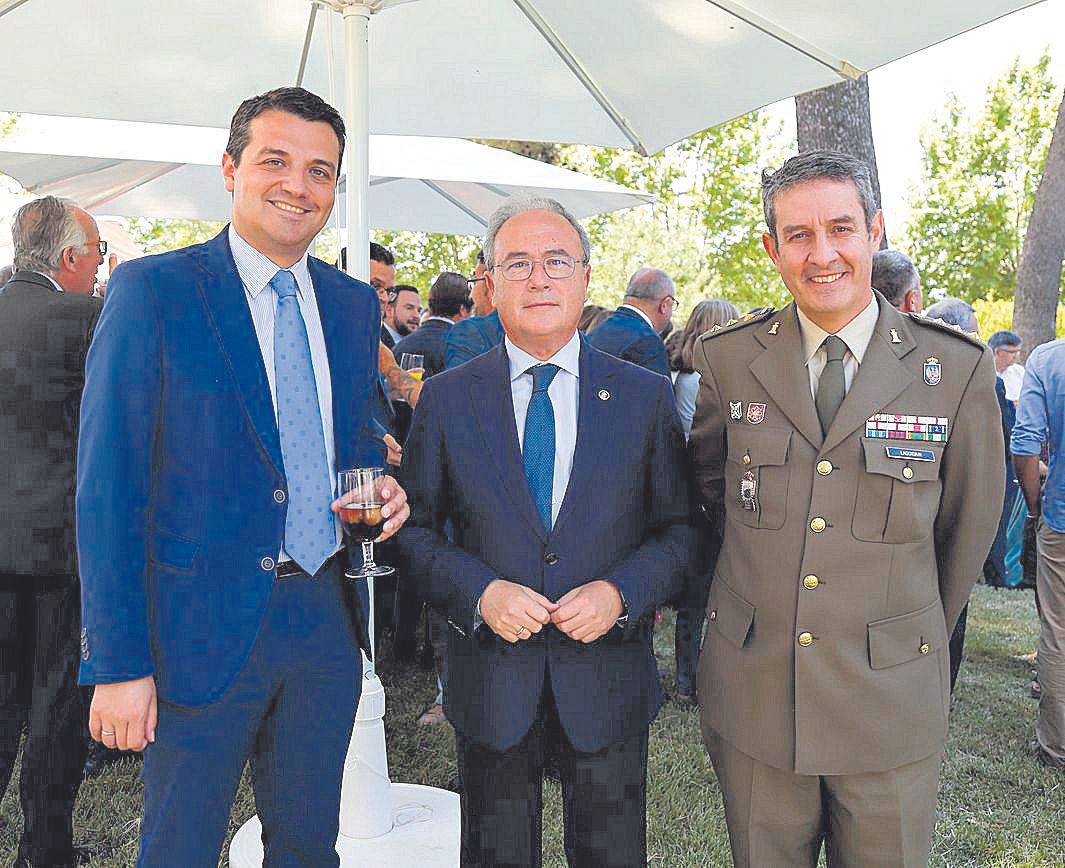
(953, 311)
(1004, 338)
(815, 166)
(649, 283)
(894, 275)
(42, 230)
(519, 205)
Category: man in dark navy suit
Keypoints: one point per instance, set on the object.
(480, 332)
(633, 332)
(449, 304)
(566, 536)
(226, 385)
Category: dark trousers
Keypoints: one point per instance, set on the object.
(40, 618)
(688, 642)
(290, 711)
(956, 646)
(603, 799)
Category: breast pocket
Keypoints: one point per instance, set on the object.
(898, 497)
(756, 476)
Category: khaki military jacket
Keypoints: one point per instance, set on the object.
(846, 558)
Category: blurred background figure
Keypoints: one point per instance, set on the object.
(405, 310)
(449, 303)
(1001, 570)
(1007, 347)
(592, 316)
(896, 278)
(633, 331)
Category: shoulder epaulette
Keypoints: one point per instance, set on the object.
(949, 328)
(759, 314)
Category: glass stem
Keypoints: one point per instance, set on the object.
(367, 556)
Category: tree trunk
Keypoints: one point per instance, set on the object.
(1039, 275)
(837, 118)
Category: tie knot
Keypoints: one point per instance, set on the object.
(835, 348)
(284, 283)
(542, 376)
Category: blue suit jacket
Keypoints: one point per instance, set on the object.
(428, 340)
(627, 336)
(181, 486)
(624, 518)
(468, 339)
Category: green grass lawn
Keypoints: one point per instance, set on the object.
(997, 806)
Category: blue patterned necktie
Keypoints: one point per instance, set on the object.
(538, 445)
(310, 532)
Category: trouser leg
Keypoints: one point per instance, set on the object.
(687, 644)
(956, 646)
(1050, 664)
(16, 658)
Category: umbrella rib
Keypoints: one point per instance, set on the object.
(9, 6)
(469, 212)
(306, 45)
(132, 185)
(842, 68)
(575, 66)
(374, 182)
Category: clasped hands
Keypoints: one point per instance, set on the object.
(515, 612)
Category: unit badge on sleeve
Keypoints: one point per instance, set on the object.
(933, 371)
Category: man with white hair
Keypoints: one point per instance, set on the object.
(47, 321)
(633, 332)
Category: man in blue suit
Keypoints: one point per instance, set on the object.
(479, 333)
(226, 384)
(632, 332)
(565, 538)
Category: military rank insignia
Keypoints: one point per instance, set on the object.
(890, 426)
(933, 371)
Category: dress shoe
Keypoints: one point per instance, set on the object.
(1045, 759)
(100, 757)
(79, 856)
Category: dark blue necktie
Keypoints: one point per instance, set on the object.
(310, 532)
(538, 445)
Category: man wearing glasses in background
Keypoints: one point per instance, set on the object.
(480, 332)
(632, 333)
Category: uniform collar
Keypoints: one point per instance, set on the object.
(856, 334)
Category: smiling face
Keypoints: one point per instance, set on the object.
(540, 313)
(284, 185)
(823, 251)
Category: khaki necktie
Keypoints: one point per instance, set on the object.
(832, 386)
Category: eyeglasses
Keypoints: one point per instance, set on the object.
(1007, 351)
(101, 246)
(471, 282)
(555, 267)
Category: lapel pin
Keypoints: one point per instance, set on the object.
(735, 410)
(774, 328)
(604, 395)
(933, 371)
(895, 339)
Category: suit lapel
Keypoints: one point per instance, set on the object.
(594, 416)
(227, 308)
(783, 375)
(880, 379)
(493, 407)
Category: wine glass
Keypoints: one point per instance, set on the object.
(360, 514)
(413, 364)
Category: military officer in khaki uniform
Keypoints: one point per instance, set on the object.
(846, 450)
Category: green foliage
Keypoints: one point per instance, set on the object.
(7, 123)
(997, 314)
(158, 236)
(970, 208)
(421, 256)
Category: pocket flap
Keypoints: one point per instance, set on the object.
(729, 613)
(765, 446)
(906, 637)
(173, 551)
(915, 468)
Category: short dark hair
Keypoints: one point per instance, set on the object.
(295, 101)
(394, 292)
(448, 294)
(894, 275)
(1004, 338)
(380, 253)
(817, 165)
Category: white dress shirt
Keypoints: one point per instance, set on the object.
(51, 280)
(643, 316)
(256, 271)
(564, 396)
(856, 335)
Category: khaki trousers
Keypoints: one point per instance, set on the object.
(778, 818)
(1050, 582)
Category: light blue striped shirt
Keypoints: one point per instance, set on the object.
(256, 271)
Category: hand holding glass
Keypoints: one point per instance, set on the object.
(413, 364)
(360, 514)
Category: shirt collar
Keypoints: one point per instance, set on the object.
(856, 334)
(643, 316)
(52, 280)
(567, 358)
(256, 270)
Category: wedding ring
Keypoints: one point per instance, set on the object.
(105, 732)
(521, 629)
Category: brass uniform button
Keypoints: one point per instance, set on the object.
(810, 582)
(747, 458)
(824, 467)
(806, 639)
(924, 649)
(818, 524)
(907, 473)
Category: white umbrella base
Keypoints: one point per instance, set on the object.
(425, 832)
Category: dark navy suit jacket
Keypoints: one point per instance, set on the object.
(624, 518)
(181, 485)
(468, 339)
(428, 340)
(626, 335)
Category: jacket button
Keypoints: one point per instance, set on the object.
(924, 649)
(713, 614)
(806, 639)
(824, 467)
(279, 496)
(267, 563)
(810, 582)
(550, 559)
(907, 473)
(818, 524)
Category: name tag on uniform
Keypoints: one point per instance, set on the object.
(892, 426)
(910, 454)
